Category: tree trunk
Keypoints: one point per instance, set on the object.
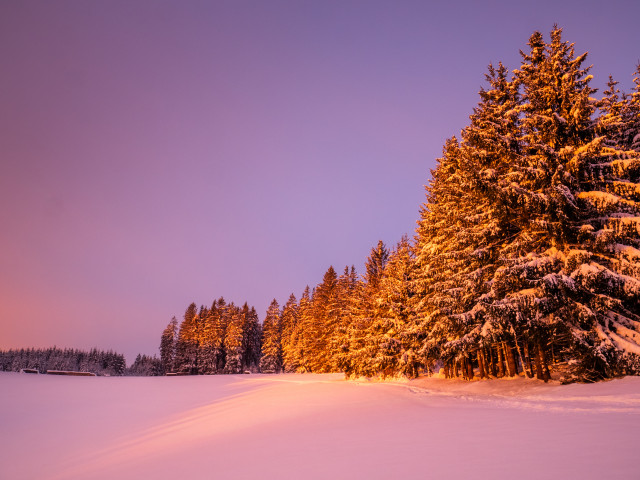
(527, 359)
(481, 371)
(470, 367)
(546, 376)
(487, 368)
(516, 364)
(538, 360)
(521, 358)
(455, 368)
(511, 362)
(500, 362)
(491, 360)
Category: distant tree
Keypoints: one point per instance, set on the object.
(303, 340)
(221, 323)
(325, 318)
(252, 339)
(145, 366)
(212, 340)
(271, 361)
(290, 331)
(94, 361)
(187, 344)
(345, 311)
(168, 346)
(234, 340)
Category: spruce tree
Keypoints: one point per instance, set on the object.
(326, 314)
(234, 340)
(381, 342)
(290, 331)
(544, 270)
(366, 331)
(212, 340)
(168, 346)
(271, 361)
(251, 339)
(401, 349)
(628, 137)
(375, 264)
(611, 125)
(221, 325)
(566, 269)
(200, 332)
(186, 346)
(303, 340)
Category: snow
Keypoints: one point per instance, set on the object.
(628, 251)
(624, 344)
(315, 426)
(602, 200)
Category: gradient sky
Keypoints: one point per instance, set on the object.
(156, 153)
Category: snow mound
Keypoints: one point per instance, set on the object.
(313, 427)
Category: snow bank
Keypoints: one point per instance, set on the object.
(314, 426)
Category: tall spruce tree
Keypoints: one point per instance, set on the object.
(369, 345)
(234, 342)
(564, 286)
(541, 276)
(403, 341)
(187, 345)
(252, 339)
(303, 341)
(290, 331)
(212, 340)
(326, 315)
(271, 361)
(381, 340)
(349, 292)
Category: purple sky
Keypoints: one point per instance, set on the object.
(157, 153)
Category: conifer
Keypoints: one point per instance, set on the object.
(537, 271)
(290, 331)
(252, 336)
(234, 340)
(168, 346)
(186, 346)
(271, 361)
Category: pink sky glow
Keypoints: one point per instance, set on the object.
(159, 153)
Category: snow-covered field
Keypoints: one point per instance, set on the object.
(315, 426)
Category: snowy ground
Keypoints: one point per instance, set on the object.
(315, 426)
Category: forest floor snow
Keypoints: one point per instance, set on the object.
(315, 427)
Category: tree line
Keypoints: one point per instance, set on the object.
(224, 338)
(68, 359)
(525, 260)
(104, 363)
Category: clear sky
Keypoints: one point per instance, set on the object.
(155, 153)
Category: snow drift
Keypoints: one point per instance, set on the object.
(315, 426)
